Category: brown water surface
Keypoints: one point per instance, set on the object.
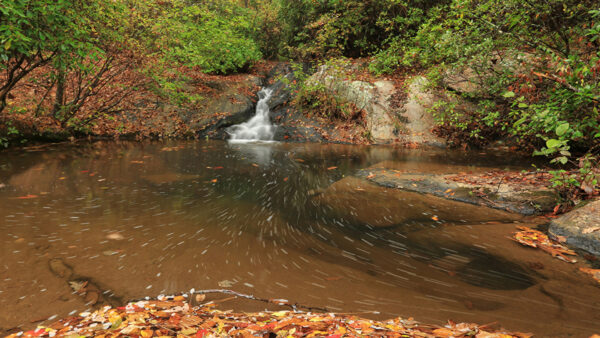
(142, 219)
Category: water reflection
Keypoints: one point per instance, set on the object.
(258, 153)
(276, 220)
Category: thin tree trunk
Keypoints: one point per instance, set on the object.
(59, 97)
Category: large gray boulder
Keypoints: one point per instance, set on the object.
(416, 115)
(580, 227)
(373, 98)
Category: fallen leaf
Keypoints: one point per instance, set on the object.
(26, 197)
(537, 239)
(115, 236)
(333, 278)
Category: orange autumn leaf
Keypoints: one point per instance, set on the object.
(26, 197)
(537, 239)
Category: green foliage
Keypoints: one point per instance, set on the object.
(577, 184)
(37, 27)
(331, 28)
(217, 37)
(35, 32)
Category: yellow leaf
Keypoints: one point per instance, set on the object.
(147, 333)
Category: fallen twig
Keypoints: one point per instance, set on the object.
(282, 302)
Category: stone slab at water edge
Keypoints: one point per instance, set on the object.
(581, 227)
(526, 199)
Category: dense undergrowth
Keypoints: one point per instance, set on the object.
(532, 67)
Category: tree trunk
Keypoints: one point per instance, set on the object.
(59, 97)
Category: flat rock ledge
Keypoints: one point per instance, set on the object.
(522, 199)
(580, 227)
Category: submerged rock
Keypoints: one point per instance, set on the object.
(526, 200)
(363, 203)
(581, 227)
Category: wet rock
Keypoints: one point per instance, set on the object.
(297, 134)
(60, 269)
(519, 199)
(85, 287)
(228, 109)
(363, 203)
(581, 227)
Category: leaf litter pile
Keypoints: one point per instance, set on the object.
(173, 316)
(537, 239)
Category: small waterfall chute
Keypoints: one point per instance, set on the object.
(259, 127)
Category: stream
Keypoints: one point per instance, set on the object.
(125, 220)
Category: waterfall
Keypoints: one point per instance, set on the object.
(259, 127)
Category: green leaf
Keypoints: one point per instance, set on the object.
(562, 129)
(552, 143)
(508, 94)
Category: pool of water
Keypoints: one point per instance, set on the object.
(126, 220)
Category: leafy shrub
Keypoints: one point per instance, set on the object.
(216, 37)
(328, 28)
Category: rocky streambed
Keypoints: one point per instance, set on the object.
(483, 195)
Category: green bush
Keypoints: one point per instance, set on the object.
(331, 28)
(216, 38)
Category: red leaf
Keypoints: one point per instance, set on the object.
(27, 197)
(202, 333)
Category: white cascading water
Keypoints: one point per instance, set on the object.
(259, 127)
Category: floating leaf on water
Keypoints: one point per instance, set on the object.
(226, 283)
(115, 236)
(26, 197)
(78, 286)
